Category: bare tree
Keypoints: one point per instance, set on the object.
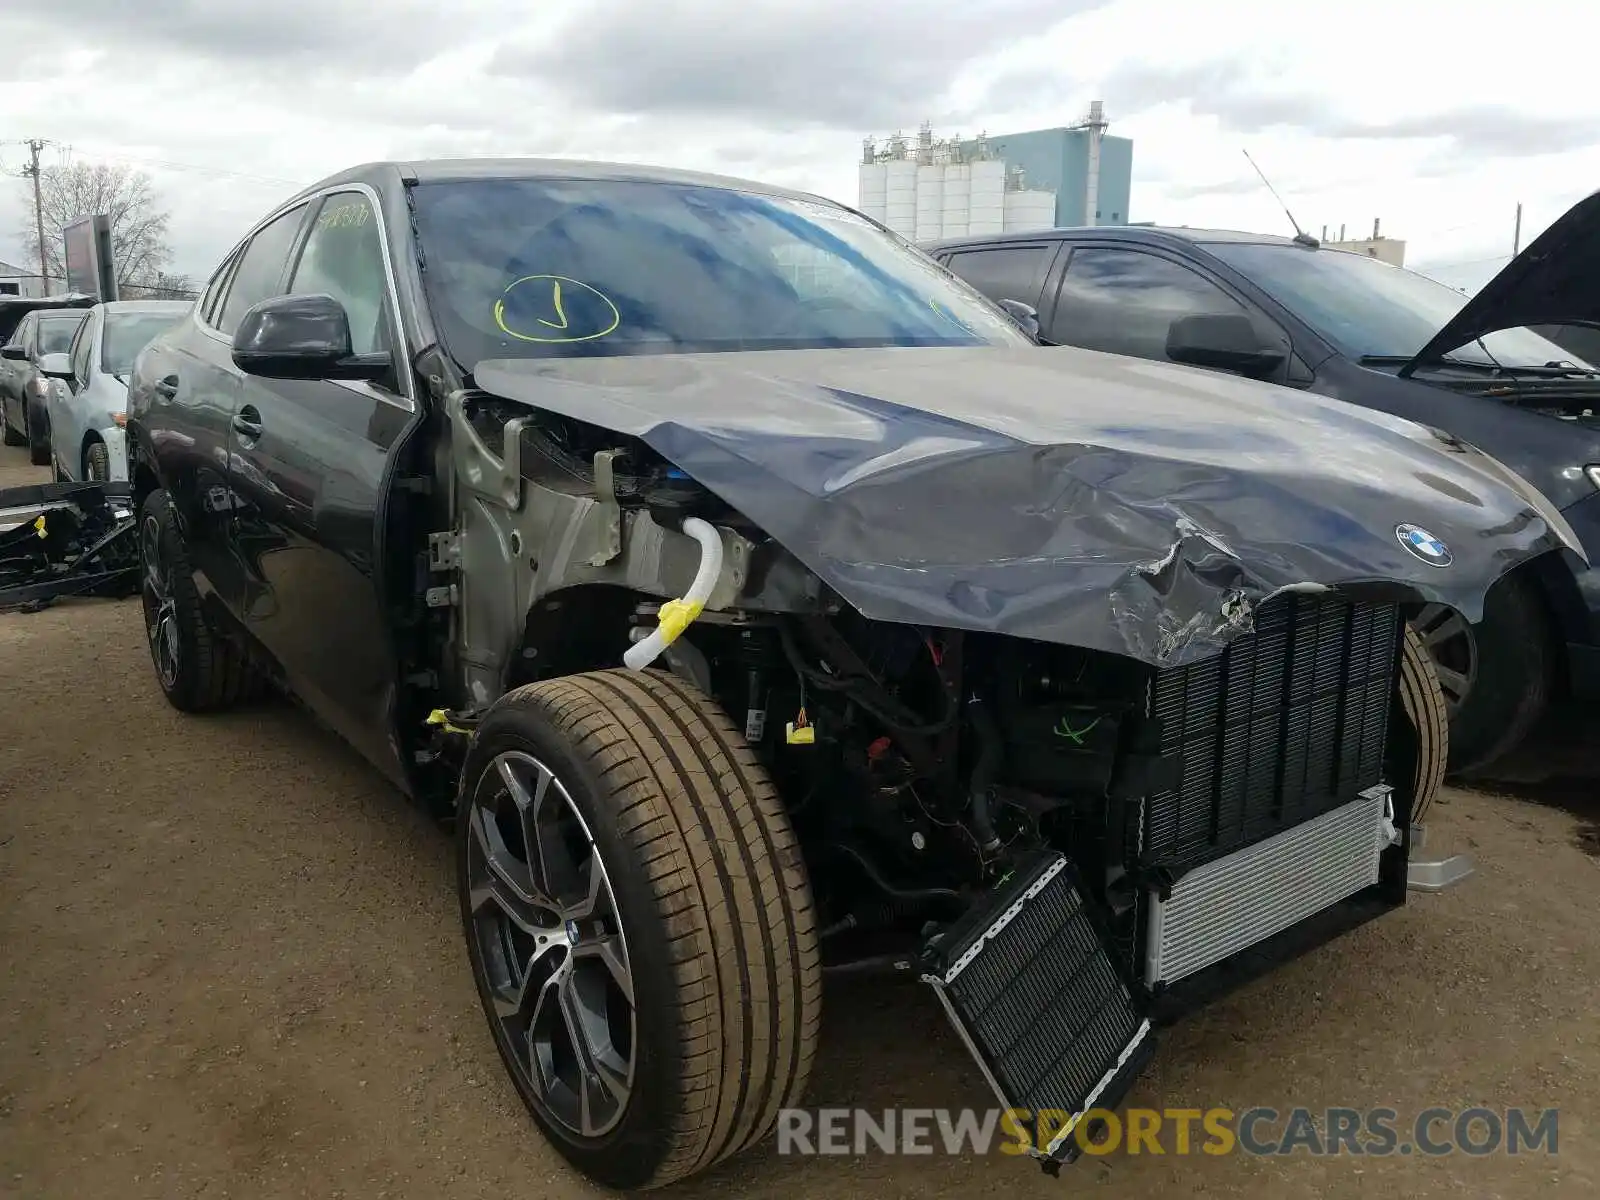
(138, 223)
(165, 286)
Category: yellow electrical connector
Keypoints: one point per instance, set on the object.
(440, 718)
(675, 616)
(799, 731)
(38, 525)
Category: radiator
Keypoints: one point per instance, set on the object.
(1027, 983)
(1246, 897)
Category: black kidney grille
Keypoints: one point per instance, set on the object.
(1287, 723)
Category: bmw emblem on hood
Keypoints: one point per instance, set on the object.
(1424, 545)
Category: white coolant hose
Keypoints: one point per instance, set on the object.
(676, 615)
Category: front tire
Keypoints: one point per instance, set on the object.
(97, 463)
(1423, 701)
(634, 900)
(197, 670)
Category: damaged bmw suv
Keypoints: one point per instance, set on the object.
(759, 602)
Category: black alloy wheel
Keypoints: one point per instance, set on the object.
(159, 592)
(1453, 647)
(545, 928)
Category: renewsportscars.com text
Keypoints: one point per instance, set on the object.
(1432, 1132)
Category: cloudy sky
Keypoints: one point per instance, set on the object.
(1435, 118)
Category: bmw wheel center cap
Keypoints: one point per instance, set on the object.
(1422, 544)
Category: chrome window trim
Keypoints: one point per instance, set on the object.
(407, 400)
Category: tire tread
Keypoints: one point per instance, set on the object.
(1424, 704)
(708, 830)
(221, 677)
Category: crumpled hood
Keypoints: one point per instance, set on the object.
(1555, 281)
(1058, 494)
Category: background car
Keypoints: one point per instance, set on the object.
(45, 327)
(87, 411)
(1288, 311)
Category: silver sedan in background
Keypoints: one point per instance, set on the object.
(87, 403)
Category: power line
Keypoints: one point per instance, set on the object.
(168, 164)
(1470, 262)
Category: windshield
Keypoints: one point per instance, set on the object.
(541, 268)
(1367, 308)
(128, 333)
(55, 333)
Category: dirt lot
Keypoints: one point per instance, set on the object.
(232, 968)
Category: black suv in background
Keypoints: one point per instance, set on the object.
(1344, 325)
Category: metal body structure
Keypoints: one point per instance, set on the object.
(63, 540)
(810, 595)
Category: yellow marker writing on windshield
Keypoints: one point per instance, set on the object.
(555, 299)
(604, 320)
(949, 316)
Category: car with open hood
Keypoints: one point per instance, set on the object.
(759, 603)
(1348, 326)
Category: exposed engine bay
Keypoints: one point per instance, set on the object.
(998, 816)
(1574, 396)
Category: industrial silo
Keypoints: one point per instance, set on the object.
(1029, 210)
(988, 203)
(956, 197)
(930, 202)
(900, 209)
(873, 191)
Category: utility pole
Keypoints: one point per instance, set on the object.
(1516, 235)
(34, 146)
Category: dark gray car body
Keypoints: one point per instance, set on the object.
(1102, 501)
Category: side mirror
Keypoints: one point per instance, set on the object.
(1025, 315)
(1225, 341)
(301, 337)
(55, 366)
(15, 353)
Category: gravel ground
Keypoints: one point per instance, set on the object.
(233, 968)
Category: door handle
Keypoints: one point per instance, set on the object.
(247, 423)
(166, 388)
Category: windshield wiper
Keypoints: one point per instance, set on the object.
(1400, 360)
(1554, 370)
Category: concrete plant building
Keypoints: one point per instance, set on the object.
(930, 188)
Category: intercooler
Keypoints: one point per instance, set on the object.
(1274, 806)
(1234, 902)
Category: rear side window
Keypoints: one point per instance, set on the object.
(211, 301)
(1124, 301)
(1004, 272)
(260, 272)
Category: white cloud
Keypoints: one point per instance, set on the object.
(1419, 114)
